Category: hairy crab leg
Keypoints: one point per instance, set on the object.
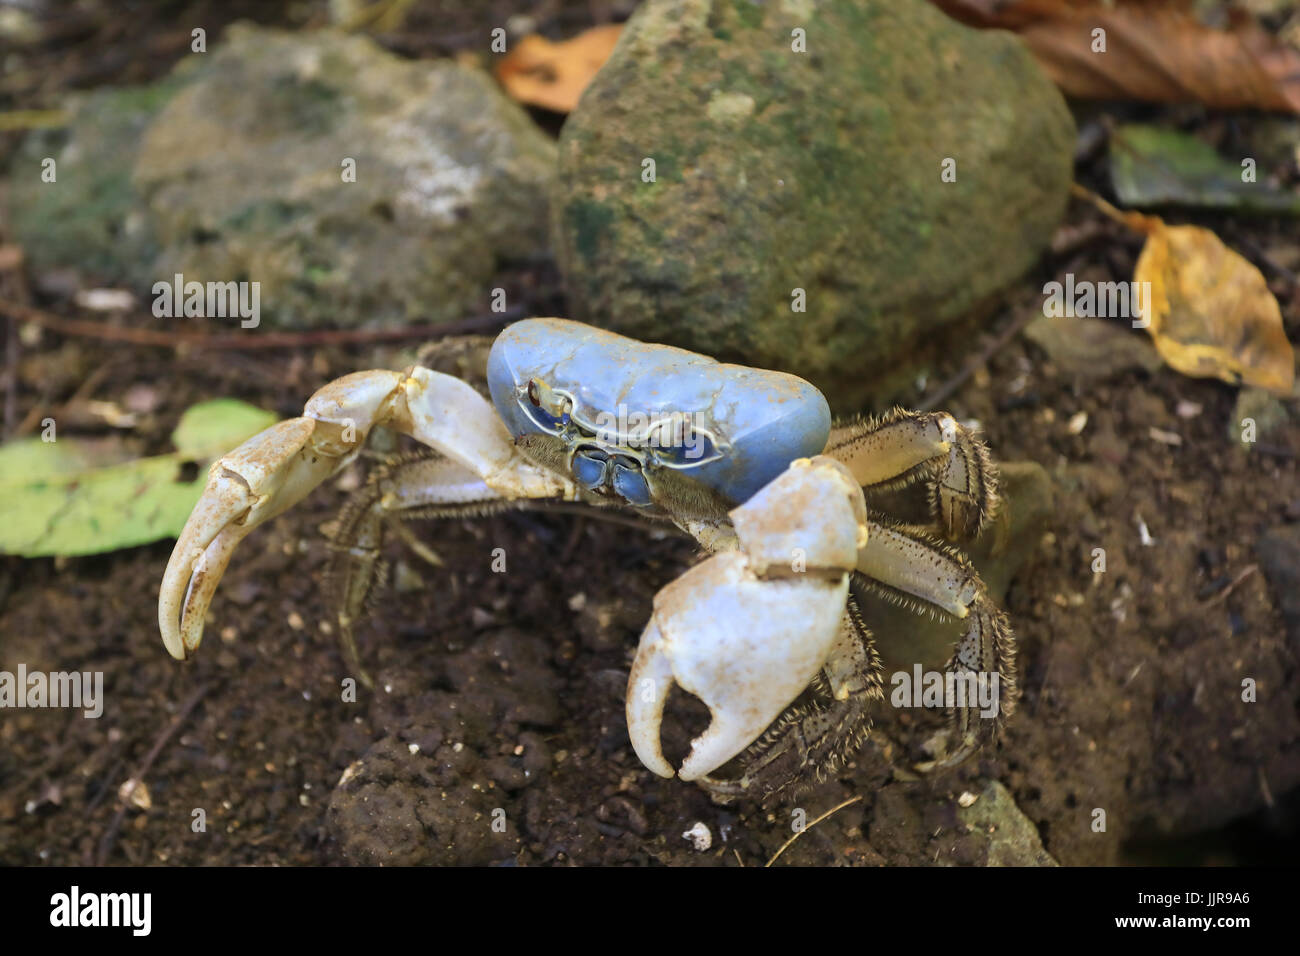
(274, 470)
(910, 568)
(400, 491)
(902, 447)
(405, 489)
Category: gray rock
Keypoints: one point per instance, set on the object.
(777, 170)
(239, 177)
(1011, 837)
(1261, 407)
(90, 217)
(1092, 348)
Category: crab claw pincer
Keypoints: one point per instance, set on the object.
(747, 630)
(266, 475)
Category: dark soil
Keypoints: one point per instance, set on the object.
(499, 696)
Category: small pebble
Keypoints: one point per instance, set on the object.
(135, 794)
(699, 836)
(1144, 533)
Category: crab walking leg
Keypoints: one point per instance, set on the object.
(904, 447)
(922, 573)
(400, 491)
(278, 468)
(746, 630)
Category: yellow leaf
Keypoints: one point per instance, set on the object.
(553, 75)
(1211, 313)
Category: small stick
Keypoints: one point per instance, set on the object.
(1133, 220)
(1254, 249)
(110, 835)
(1232, 585)
(957, 381)
(261, 340)
(1264, 789)
(800, 833)
(85, 389)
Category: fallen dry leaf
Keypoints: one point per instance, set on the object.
(553, 75)
(1211, 312)
(1156, 52)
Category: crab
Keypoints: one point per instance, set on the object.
(764, 629)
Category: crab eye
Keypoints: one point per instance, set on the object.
(534, 395)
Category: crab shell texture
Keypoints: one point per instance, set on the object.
(746, 425)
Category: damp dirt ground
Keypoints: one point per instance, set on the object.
(499, 696)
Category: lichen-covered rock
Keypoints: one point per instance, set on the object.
(1092, 349)
(1009, 838)
(244, 174)
(777, 170)
(89, 218)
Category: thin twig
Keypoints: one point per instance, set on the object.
(957, 381)
(110, 835)
(800, 833)
(1131, 220)
(84, 391)
(1264, 790)
(1232, 586)
(246, 340)
(1258, 253)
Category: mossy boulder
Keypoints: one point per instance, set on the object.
(803, 146)
(84, 213)
(238, 168)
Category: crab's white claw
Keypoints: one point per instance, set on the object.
(278, 468)
(744, 646)
(747, 630)
(269, 473)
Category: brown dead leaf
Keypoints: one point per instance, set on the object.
(1211, 312)
(1156, 52)
(553, 75)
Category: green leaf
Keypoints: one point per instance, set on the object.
(62, 499)
(205, 429)
(1153, 166)
(26, 457)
